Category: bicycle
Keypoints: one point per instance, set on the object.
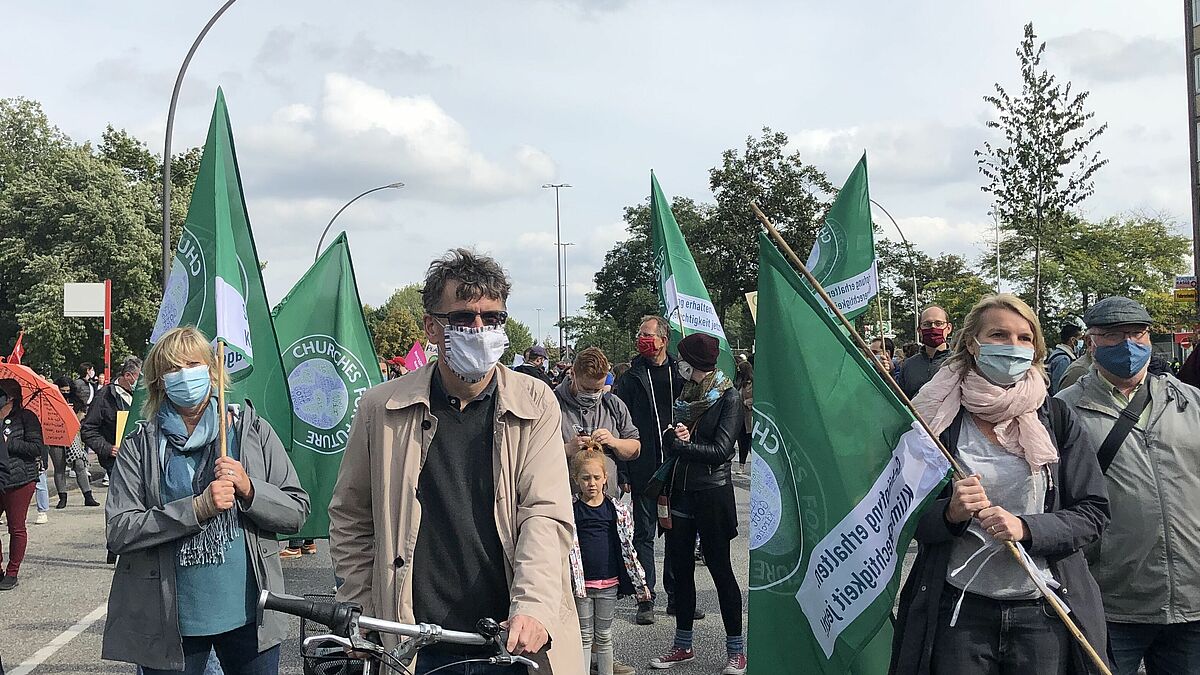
(348, 625)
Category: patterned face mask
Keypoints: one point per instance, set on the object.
(472, 352)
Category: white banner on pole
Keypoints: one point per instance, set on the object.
(83, 299)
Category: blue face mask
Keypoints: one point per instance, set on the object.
(1003, 365)
(189, 387)
(1124, 359)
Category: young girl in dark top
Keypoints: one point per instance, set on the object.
(603, 561)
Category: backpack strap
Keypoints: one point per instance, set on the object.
(1125, 421)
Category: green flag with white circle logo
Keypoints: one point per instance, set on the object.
(330, 362)
(216, 284)
(843, 255)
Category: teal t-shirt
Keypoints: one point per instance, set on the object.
(217, 598)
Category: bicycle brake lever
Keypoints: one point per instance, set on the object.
(509, 660)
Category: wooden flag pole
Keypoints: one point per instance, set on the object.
(221, 395)
(959, 473)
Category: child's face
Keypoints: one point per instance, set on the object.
(591, 480)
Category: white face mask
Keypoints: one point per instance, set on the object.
(472, 352)
(685, 370)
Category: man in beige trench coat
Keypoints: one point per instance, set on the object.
(453, 501)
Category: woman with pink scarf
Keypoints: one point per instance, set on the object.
(968, 607)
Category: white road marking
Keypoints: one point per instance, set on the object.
(39, 657)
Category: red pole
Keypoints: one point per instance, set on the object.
(107, 330)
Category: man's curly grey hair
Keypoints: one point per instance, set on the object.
(477, 275)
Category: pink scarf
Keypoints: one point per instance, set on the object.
(1012, 410)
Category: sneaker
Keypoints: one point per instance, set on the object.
(104, 482)
(7, 583)
(645, 614)
(41, 519)
(676, 656)
(309, 549)
(289, 553)
(736, 665)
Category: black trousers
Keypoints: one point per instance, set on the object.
(715, 519)
(645, 527)
(999, 637)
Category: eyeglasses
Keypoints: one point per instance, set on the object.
(934, 324)
(467, 317)
(1112, 337)
(647, 335)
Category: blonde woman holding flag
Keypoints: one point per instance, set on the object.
(194, 521)
(968, 607)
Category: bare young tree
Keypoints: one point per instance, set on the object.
(1044, 168)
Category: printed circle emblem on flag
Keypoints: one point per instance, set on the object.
(188, 264)
(325, 380)
(828, 250)
(785, 497)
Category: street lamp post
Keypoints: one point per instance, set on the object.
(558, 260)
(539, 322)
(321, 242)
(166, 172)
(566, 288)
(913, 267)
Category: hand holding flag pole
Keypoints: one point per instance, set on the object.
(959, 473)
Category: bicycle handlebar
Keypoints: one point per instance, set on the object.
(340, 615)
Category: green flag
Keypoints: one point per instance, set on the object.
(330, 362)
(840, 472)
(682, 297)
(215, 283)
(843, 256)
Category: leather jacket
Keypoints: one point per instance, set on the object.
(705, 461)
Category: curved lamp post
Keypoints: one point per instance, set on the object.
(344, 207)
(166, 177)
(912, 267)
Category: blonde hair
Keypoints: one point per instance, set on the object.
(176, 349)
(587, 456)
(973, 325)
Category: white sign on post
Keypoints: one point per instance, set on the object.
(83, 299)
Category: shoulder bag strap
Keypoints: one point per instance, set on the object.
(1129, 417)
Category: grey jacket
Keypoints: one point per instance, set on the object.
(142, 626)
(1148, 562)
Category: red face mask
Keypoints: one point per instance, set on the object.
(933, 337)
(647, 346)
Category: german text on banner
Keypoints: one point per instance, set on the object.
(840, 471)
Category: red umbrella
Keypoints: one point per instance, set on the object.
(43, 399)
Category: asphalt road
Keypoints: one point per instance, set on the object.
(53, 620)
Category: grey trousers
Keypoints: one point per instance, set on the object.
(58, 455)
(595, 624)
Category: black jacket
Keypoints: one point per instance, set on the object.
(533, 371)
(1076, 514)
(21, 435)
(706, 460)
(634, 389)
(99, 428)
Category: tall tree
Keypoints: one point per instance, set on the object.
(1044, 166)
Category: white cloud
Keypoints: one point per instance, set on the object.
(1105, 56)
(936, 235)
(361, 135)
(921, 152)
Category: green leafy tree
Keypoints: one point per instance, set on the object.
(397, 323)
(520, 338)
(1044, 167)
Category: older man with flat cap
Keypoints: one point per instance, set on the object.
(1146, 429)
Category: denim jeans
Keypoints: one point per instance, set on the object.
(645, 527)
(1167, 649)
(595, 624)
(42, 493)
(999, 636)
(236, 650)
(428, 661)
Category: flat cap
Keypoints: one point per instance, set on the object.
(1116, 310)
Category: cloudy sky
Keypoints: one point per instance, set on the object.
(474, 105)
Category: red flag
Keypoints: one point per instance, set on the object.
(415, 357)
(18, 351)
